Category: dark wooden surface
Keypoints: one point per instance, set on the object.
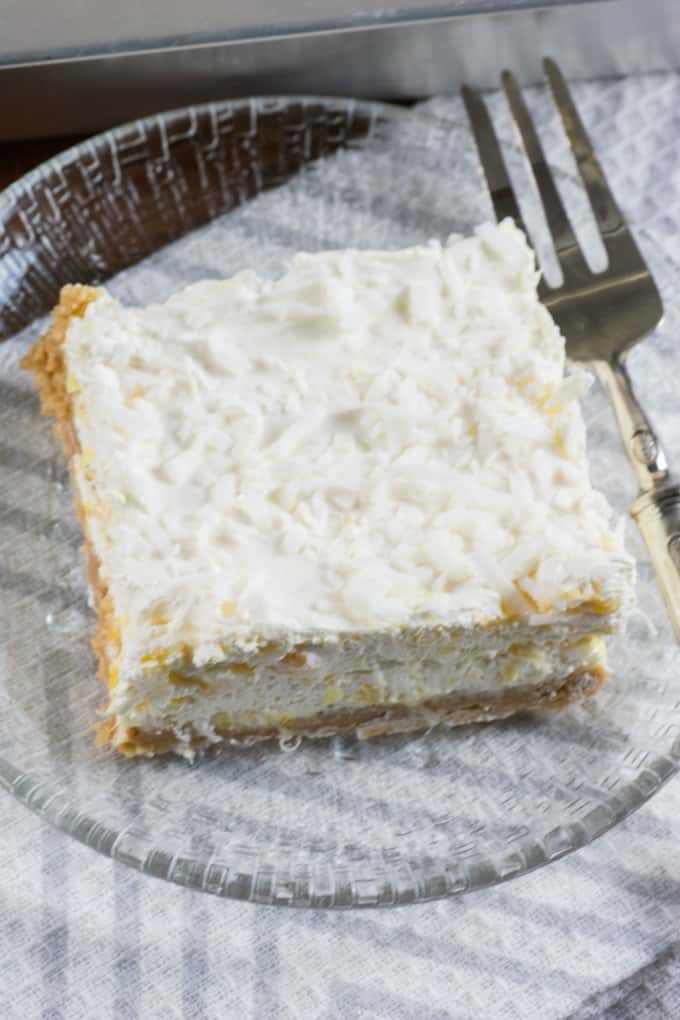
(17, 158)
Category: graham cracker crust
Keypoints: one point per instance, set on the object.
(46, 362)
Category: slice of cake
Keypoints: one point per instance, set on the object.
(354, 498)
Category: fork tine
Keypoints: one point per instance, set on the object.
(568, 250)
(617, 239)
(491, 158)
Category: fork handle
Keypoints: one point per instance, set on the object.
(641, 442)
(657, 507)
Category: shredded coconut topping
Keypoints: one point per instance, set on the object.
(374, 440)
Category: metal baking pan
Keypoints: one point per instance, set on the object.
(77, 67)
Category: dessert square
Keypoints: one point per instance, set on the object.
(354, 498)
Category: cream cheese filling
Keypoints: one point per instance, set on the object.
(254, 694)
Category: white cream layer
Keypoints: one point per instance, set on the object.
(376, 440)
(314, 683)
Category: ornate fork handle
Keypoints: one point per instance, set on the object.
(657, 507)
(642, 444)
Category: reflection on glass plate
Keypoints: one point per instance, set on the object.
(335, 822)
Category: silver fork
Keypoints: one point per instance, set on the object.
(601, 315)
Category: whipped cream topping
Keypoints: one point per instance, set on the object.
(375, 440)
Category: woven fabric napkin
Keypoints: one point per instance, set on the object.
(593, 935)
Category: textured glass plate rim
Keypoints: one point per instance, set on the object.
(419, 881)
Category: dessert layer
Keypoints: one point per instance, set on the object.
(367, 721)
(273, 689)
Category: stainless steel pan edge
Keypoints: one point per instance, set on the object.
(80, 94)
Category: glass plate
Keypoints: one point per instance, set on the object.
(333, 823)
